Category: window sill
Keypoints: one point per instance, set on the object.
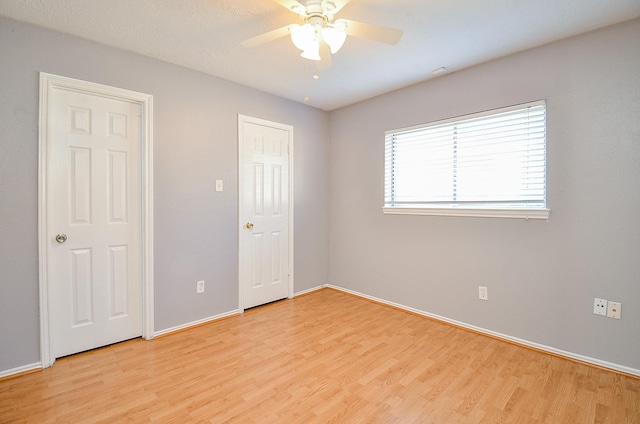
(478, 213)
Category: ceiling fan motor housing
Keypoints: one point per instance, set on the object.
(317, 8)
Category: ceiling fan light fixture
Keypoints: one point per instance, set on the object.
(312, 52)
(340, 25)
(303, 36)
(334, 38)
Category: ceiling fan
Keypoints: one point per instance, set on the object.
(320, 34)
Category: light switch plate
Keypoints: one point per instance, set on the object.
(218, 185)
(483, 293)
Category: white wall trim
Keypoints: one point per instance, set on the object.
(19, 370)
(241, 120)
(48, 82)
(311, 290)
(538, 346)
(471, 212)
(197, 323)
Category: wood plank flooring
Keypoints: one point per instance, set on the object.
(326, 357)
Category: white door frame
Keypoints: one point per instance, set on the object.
(248, 119)
(48, 83)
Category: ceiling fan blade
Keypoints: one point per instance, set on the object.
(293, 5)
(325, 61)
(372, 32)
(266, 37)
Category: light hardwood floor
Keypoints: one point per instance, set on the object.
(326, 357)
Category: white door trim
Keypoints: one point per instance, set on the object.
(48, 82)
(248, 119)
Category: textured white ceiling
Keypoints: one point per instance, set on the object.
(205, 35)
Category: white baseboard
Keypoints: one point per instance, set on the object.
(24, 368)
(544, 348)
(196, 323)
(549, 349)
(224, 315)
(311, 290)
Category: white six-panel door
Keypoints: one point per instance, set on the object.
(94, 213)
(265, 246)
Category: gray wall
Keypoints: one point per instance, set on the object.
(542, 276)
(195, 143)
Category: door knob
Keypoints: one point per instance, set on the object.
(248, 225)
(61, 238)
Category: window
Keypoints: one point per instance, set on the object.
(486, 164)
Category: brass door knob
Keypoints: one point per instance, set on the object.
(248, 225)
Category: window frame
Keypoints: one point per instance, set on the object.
(459, 209)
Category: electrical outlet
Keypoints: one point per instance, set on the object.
(614, 309)
(200, 286)
(600, 307)
(483, 293)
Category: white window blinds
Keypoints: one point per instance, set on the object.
(493, 160)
